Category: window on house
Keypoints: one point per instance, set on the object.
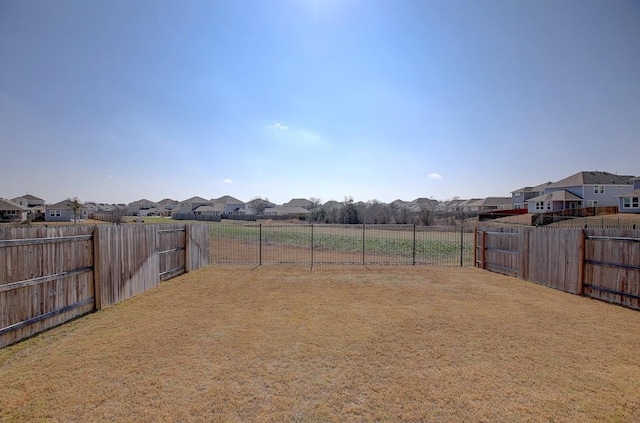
(630, 202)
(548, 205)
(517, 195)
(539, 205)
(598, 189)
(11, 212)
(516, 206)
(593, 203)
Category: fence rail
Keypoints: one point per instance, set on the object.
(306, 244)
(598, 263)
(49, 275)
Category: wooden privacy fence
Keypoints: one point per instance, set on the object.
(49, 275)
(598, 263)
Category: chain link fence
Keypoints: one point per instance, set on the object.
(258, 244)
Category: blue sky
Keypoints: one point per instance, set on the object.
(113, 101)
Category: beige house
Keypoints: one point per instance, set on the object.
(12, 212)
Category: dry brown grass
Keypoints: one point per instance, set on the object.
(285, 344)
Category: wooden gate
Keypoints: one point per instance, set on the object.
(172, 251)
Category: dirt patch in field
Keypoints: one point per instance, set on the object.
(334, 344)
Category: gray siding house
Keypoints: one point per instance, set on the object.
(629, 202)
(583, 189)
(64, 212)
(520, 197)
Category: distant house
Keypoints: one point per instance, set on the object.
(12, 212)
(491, 203)
(333, 205)
(251, 207)
(630, 202)
(34, 204)
(471, 205)
(400, 204)
(64, 212)
(205, 210)
(520, 197)
(299, 202)
(193, 202)
(582, 189)
(231, 205)
(165, 207)
(420, 203)
(553, 201)
(140, 207)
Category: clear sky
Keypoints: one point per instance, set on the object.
(117, 100)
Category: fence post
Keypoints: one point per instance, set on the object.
(581, 263)
(312, 245)
(187, 248)
(414, 244)
(461, 244)
(97, 270)
(475, 247)
(363, 262)
(260, 244)
(484, 249)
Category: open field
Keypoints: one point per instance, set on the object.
(336, 344)
(340, 244)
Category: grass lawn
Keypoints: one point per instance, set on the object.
(337, 344)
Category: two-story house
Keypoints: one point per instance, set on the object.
(140, 207)
(231, 205)
(165, 207)
(582, 189)
(520, 197)
(34, 204)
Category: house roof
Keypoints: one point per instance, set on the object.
(537, 188)
(469, 202)
(227, 199)
(493, 201)
(634, 193)
(144, 200)
(592, 178)
(333, 204)
(298, 202)
(167, 201)
(30, 197)
(195, 199)
(64, 205)
(10, 205)
(561, 195)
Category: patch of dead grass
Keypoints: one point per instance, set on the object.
(337, 344)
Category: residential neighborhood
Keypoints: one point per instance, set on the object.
(584, 189)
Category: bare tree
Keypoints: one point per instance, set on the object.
(258, 204)
(317, 213)
(425, 216)
(76, 206)
(118, 215)
(349, 213)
